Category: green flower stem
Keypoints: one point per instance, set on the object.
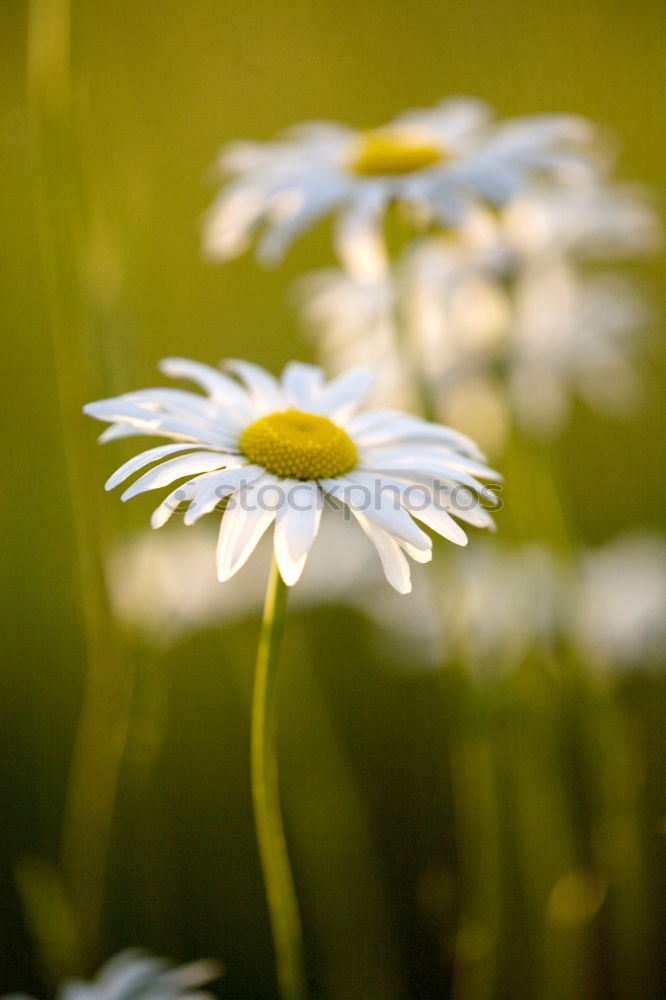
(280, 892)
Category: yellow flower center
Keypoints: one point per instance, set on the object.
(382, 153)
(297, 445)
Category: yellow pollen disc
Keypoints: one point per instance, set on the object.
(383, 153)
(297, 445)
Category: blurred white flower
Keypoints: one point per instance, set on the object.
(591, 221)
(620, 617)
(496, 326)
(503, 603)
(491, 606)
(160, 585)
(134, 975)
(273, 450)
(436, 162)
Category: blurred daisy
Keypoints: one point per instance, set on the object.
(506, 602)
(499, 323)
(620, 620)
(272, 449)
(134, 975)
(593, 221)
(161, 587)
(436, 162)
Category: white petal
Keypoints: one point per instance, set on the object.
(418, 501)
(391, 427)
(308, 204)
(232, 219)
(179, 403)
(145, 458)
(220, 387)
(117, 431)
(296, 527)
(243, 523)
(441, 522)
(263, 386)
(178, 468)
(150, 421)
(182, 494)
(439, 470)
(344, 394)
(218, 486)
(384, 455)
(301, 384)
(378, 507)
(449, 496)
(358, 237)
(416, 554)
(394, 562)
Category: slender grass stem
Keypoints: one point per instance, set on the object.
(280, 892)
(62, 221)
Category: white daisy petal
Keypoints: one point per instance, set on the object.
(393, 560)
(458, 500)
(115, 432)
(218, 385)
(217, 487)
(440, 521)
(144, 458)
(380, 456)
(243, 523)
(182, 494)
(132, 973)
(377, 427)
(178, 468)
(344, 394)
(307, 209)
(150, 421)
(264, 387)
(296, 527)
(418, 501)
(418, 555)
(302, 384)
(445, 473)
(358, 237)
(378, 506)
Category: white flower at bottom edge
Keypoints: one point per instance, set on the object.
(134, 975)
(272, 450)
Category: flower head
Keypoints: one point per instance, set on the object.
(436, 162)
(271, 450)
(134, 975)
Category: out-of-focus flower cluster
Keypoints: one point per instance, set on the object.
(500, 303)
(608, 605)
(499, 603)
(506, 319)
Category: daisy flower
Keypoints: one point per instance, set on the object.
(134, 975)
(436, 162)
(619, 615)
(271, 450)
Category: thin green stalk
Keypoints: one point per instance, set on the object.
(63, 228)
(280, 892)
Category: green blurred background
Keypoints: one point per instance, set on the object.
(387, 771)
